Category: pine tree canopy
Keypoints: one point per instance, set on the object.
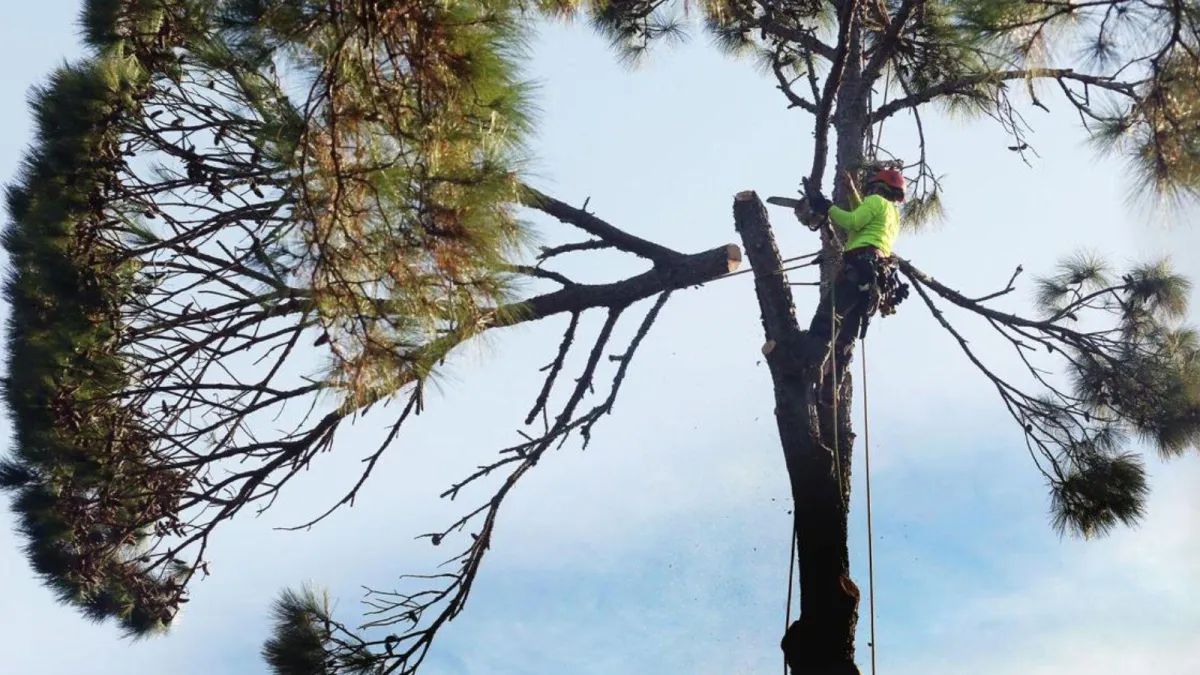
(244, 224)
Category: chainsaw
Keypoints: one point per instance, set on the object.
(800, 207)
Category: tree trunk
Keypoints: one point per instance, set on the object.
(821, 641)
(812, 411)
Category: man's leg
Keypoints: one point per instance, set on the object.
(820, 331)
(853, 322)
(866, 273)
(834, 322)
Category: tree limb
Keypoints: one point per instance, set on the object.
(598, 228)
(832, 84)
(887, 46)
(959, 86)
(540, 273)
(677, 272)
(774, 295)
(785, 86)
(804, 38)
(548, 252)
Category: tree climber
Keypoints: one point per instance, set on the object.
(866, 281)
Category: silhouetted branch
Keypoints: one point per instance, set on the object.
(970, 83)
(598, 228)
(548, 252)
(411, 609)
(785, 85)
(1119, 382)
(1008, 288)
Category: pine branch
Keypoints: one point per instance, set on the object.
(796, 100)
(964, 302)
(598, 228)
(1134, 377)
(886, 47)
(803, 38)
(966, 84)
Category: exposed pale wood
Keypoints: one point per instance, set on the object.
(734, 255)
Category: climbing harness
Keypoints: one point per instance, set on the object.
(885, 288)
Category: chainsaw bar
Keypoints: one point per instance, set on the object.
(795, 204)
(784, 201)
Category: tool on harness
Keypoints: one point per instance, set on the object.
(877, 282)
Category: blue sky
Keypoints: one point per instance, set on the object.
(663, 547)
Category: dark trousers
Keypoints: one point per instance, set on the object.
(851, 303)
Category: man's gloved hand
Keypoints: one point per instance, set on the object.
(819, 204)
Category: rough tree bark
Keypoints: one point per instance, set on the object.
(676, 271)
(821, 641)
(815, 430)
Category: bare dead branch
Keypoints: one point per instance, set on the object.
(785, 85)
(598, 228)
(548, 252)
(679, 271)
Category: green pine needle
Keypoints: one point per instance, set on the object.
(1099, 492)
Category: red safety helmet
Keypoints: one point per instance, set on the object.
(891, 178)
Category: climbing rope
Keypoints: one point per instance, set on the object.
(781, 270)
(837, 457)
(787, 621)
(862, 349)
(897, 298)
(837, 460)
(887, 85)
(837, 448)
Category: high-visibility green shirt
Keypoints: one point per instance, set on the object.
(874, 222)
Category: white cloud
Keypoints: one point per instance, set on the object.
(1110, 607)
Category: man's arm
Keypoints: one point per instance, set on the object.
(855, 198)
(855, 220)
